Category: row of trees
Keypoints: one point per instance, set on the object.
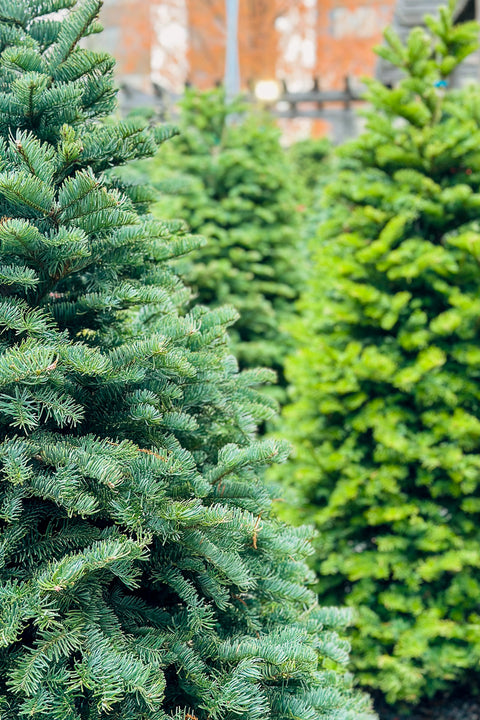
(383, 345)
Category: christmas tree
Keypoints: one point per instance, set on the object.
(386, 411)
(230, 179)
(311, 161)
(142, 574)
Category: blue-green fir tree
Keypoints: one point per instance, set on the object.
(142, 574)
(386, 411)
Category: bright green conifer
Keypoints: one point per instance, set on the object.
(386, 411)
(142, 576)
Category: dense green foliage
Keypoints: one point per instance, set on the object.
(142, 575)
(309, 157)
(232, 182)
(386, 383)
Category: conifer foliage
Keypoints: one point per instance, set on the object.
(386, 411)
(142, 576)
(233, 183)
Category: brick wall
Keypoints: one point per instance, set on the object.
(175, 41)
(129, 36)
(257, 40)
(178, 40)
(347, 31)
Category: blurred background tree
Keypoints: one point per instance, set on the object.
(233, 183)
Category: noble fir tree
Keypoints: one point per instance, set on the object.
(234, 184)
(385, 406)
(142, 574)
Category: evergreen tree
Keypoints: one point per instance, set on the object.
(385, 385)
(142, 575)
(316, 165)
(234, 184)
(310, 157)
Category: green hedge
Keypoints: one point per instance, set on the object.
(385, 385)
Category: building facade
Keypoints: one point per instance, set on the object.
(176, 41)
(169, 43)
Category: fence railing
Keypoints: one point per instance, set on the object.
(334, 106)
(314, 103)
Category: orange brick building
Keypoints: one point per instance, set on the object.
(346, 32)
(173, 41)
